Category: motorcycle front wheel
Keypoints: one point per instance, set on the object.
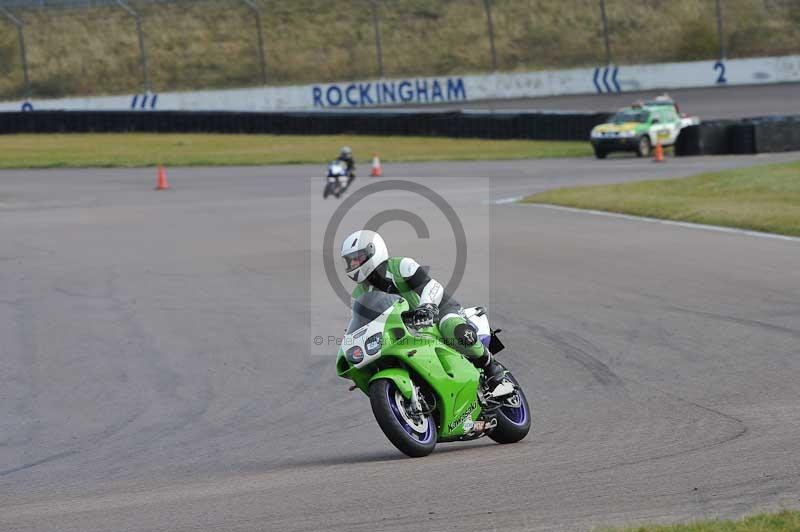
(413, 436)
(514, 418)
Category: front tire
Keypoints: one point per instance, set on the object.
(513, 423)
(414, 438)
(600, 154)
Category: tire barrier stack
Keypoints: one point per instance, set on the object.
(746, 136)
(715, 137)
(517, 125)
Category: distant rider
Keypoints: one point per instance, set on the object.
(367, 262)
(346, 156)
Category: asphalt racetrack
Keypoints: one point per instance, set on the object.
(158, 371)
(708, 102)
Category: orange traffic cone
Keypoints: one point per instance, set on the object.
(162, 179)
(658, 154)
(376, 166)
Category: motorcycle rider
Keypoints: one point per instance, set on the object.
(367, 262)
(346, 156)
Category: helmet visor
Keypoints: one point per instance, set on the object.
(355, 259)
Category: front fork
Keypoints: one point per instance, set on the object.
(416, 406)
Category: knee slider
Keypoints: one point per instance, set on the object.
(465, 335)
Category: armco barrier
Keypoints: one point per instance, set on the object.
(526, 125)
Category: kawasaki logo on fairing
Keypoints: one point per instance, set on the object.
(466, 415)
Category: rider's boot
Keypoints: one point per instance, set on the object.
(496, 382)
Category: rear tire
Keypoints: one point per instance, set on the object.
(389, 409)
(643, 148)
(513, 424)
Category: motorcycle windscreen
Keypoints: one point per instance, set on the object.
(369, 307)
(337, 168)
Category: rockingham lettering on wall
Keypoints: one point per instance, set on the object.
(430, 90)
(389, 92)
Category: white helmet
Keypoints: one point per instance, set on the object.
(363, 251)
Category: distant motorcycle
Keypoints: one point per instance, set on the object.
(338, 179)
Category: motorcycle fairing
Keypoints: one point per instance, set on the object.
(425, 356)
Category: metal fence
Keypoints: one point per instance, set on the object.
(74, 47)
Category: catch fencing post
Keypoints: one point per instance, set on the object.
(720, 31)
(23, 54)
(376, 21)
(605, 31)
(128, 9)
(261, 59)
(487, 5)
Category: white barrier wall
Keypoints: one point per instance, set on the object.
(420, 91)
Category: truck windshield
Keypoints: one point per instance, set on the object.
(368, 307)
(631, 115)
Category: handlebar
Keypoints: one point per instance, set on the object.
(408, 319)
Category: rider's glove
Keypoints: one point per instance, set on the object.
(425, 315)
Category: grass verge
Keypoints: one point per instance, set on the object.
(761, 198)
(127, 150)
(785, 521)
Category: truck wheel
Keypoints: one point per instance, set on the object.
(643, 149)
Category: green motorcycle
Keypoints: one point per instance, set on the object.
(423, 391)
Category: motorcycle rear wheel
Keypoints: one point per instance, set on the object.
(513, 423)
(412, 438)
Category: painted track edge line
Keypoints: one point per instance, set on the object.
(504, 201)
(688, 225)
